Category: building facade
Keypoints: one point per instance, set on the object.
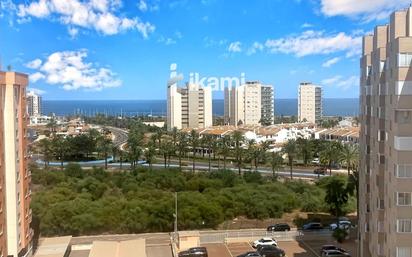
(189, 106)
(249, 104)
(385, 214)
(309, 102)
(15, 177)
(34, 104)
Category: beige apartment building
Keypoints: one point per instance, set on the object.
(249, 104)
(309, 102)
(189, 107)
(15, 177)
(385, 215)
(34, 104)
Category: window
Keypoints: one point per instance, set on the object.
(404, 199)
(403, 252)
(404, 226)
(403, 171)
(382, 136)
(404, 59)
(382, 66)
(403, 116)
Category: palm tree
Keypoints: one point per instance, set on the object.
(115, 152)
(208, 143)
(252, 151)
(290, 148)
(237, 140)
(149, 154)
(331, 153)
(175, 134)
(224, 149)
(349, 156)
(182, 144)
(194, 143)
(276, 162)
(104, 146)
(52, 125)
(305, 150)
(45, 147)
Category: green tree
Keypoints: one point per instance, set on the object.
(349, 156)
(45, 148)
(290, 149)
(149, 154)
(182, 145)
(237, 140)
(331, 153)
(104, 146)
(194, 143)
(305, 150)
(276, 162)
(224, 148)
(337, 195)
(134, 144)
(208, 143)
(59, 147)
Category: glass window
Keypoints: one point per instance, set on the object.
(404, 59)
(404, 226)
(404, 199)
(403, 252)
(404, 171)
(403, 116)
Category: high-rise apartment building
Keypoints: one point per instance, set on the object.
(34, 104)
(385, 214)
(309, 102)
(15, 177)
(249, 104)
(189, 106)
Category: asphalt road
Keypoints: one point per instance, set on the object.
(120, 135)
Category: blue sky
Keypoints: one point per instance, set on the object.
(122, 49)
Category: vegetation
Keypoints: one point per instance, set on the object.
(81, 202)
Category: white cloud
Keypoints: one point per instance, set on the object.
(331, 62)
(35, 64)
(100, 15)
(68, 69)
(235, 47)
(315, 42)
(306, 25)
(142, 6)
(341, 82)
(166, 40)
(73, 32)
(254, 48)
(367, 10)
(37, 91)
(36, 77)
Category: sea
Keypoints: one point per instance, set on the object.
(285, 107)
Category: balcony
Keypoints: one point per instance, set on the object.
(403, 143)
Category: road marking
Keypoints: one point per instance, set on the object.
(310, 248)
(227, 248)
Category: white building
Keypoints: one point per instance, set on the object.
(309, 102)
(249, 104)
(189, 106)
(34, 104)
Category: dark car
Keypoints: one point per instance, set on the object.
(335, 253)
(271, 251)
(330, 247)
(312, 226)
(279, 227)
(320, 171)
(250, 254)
(194, 252)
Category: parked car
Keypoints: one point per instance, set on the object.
(320, 171)
(313, 226)
(194, 252)
(343, 224)
(279, 227)
(271, 251)
(315, 161)
(250, 254)
(335, 253)
(265, 241)
(326, 248)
